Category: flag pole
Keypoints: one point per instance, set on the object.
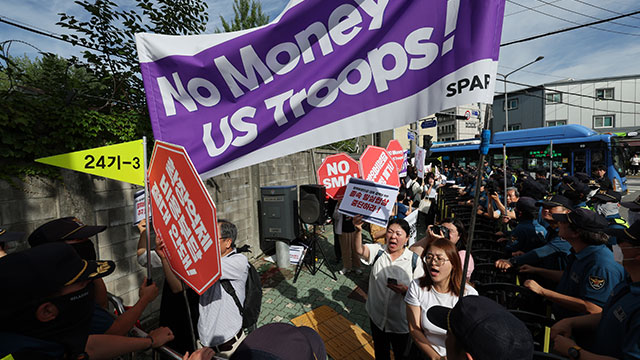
(146, 207)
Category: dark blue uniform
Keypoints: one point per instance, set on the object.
(591, 275)
(552, 255)
(618, 333)
(528, 235)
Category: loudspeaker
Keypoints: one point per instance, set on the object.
(278, 214)
(313, 209)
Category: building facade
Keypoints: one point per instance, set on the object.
(603, 104)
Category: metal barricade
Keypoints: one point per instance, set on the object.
(164, 350)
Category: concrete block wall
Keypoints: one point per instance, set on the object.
(27, 204)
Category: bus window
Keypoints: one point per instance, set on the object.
(579, 161)
(515, 161)
(597, 156)
(619, 156)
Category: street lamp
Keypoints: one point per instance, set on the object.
(506, 105)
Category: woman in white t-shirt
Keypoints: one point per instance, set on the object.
(440, 286)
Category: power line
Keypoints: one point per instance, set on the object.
(568, 29)
(536, 73)
(32, 29)
(572, 22)
(585, 15)
(603, 9)
(584, 107)
(523, 10)
(571, 93)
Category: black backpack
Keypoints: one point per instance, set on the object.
(250, 310)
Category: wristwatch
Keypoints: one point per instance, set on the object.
(574, 352)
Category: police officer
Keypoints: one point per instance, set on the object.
(576, 191)
(617, 327)
(529, 234)
(553, 254)
(591, 273)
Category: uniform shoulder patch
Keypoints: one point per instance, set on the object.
(596, 282)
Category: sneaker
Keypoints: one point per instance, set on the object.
(344, 271)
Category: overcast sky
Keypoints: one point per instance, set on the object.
(585, 53)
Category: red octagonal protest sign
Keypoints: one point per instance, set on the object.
(377, 165)
(397, 152)
(335, 172)
(184, 216)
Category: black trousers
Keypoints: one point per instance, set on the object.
(384, 341)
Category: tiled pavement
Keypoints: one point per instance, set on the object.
(284, 300)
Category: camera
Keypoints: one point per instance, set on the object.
(491, 187)
(441, 230)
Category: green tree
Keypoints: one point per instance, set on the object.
(51, 106)
(247, 14)
(110, 32)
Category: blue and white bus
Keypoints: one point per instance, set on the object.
(575, 149)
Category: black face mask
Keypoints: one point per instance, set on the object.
(71, 326)
(85, 249)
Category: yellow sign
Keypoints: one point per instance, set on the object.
(124, 162)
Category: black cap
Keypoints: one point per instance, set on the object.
(485, 329)
(632, 205)
(607, 196)
(584, 219)
(526, 204)
(8, 236)
(533, 189)
(68, 228)
(556, 200)
(41, 271)
(582, 177)
(571, 183)
(281, 341)
(630, 235)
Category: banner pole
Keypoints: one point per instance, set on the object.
(504, 174)
(476, 197)
(146, 207)
(551, 168)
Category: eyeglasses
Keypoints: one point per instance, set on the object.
(436, 260)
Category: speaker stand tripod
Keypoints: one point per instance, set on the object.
(313, 257)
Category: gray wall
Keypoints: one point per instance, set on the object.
(529, 113)
(25, 205)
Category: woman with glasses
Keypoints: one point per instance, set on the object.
(393, 268)
(440, 286)
(454, 231)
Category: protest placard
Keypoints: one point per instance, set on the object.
(185, 217)
(138, 207)
(412, 219)
(377, 165)
(419, 164)
(394, 148)
(335, 172)
(371, 200)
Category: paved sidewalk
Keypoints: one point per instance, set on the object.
(284, 300)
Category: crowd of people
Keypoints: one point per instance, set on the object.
(562, 235)
(55, 306)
